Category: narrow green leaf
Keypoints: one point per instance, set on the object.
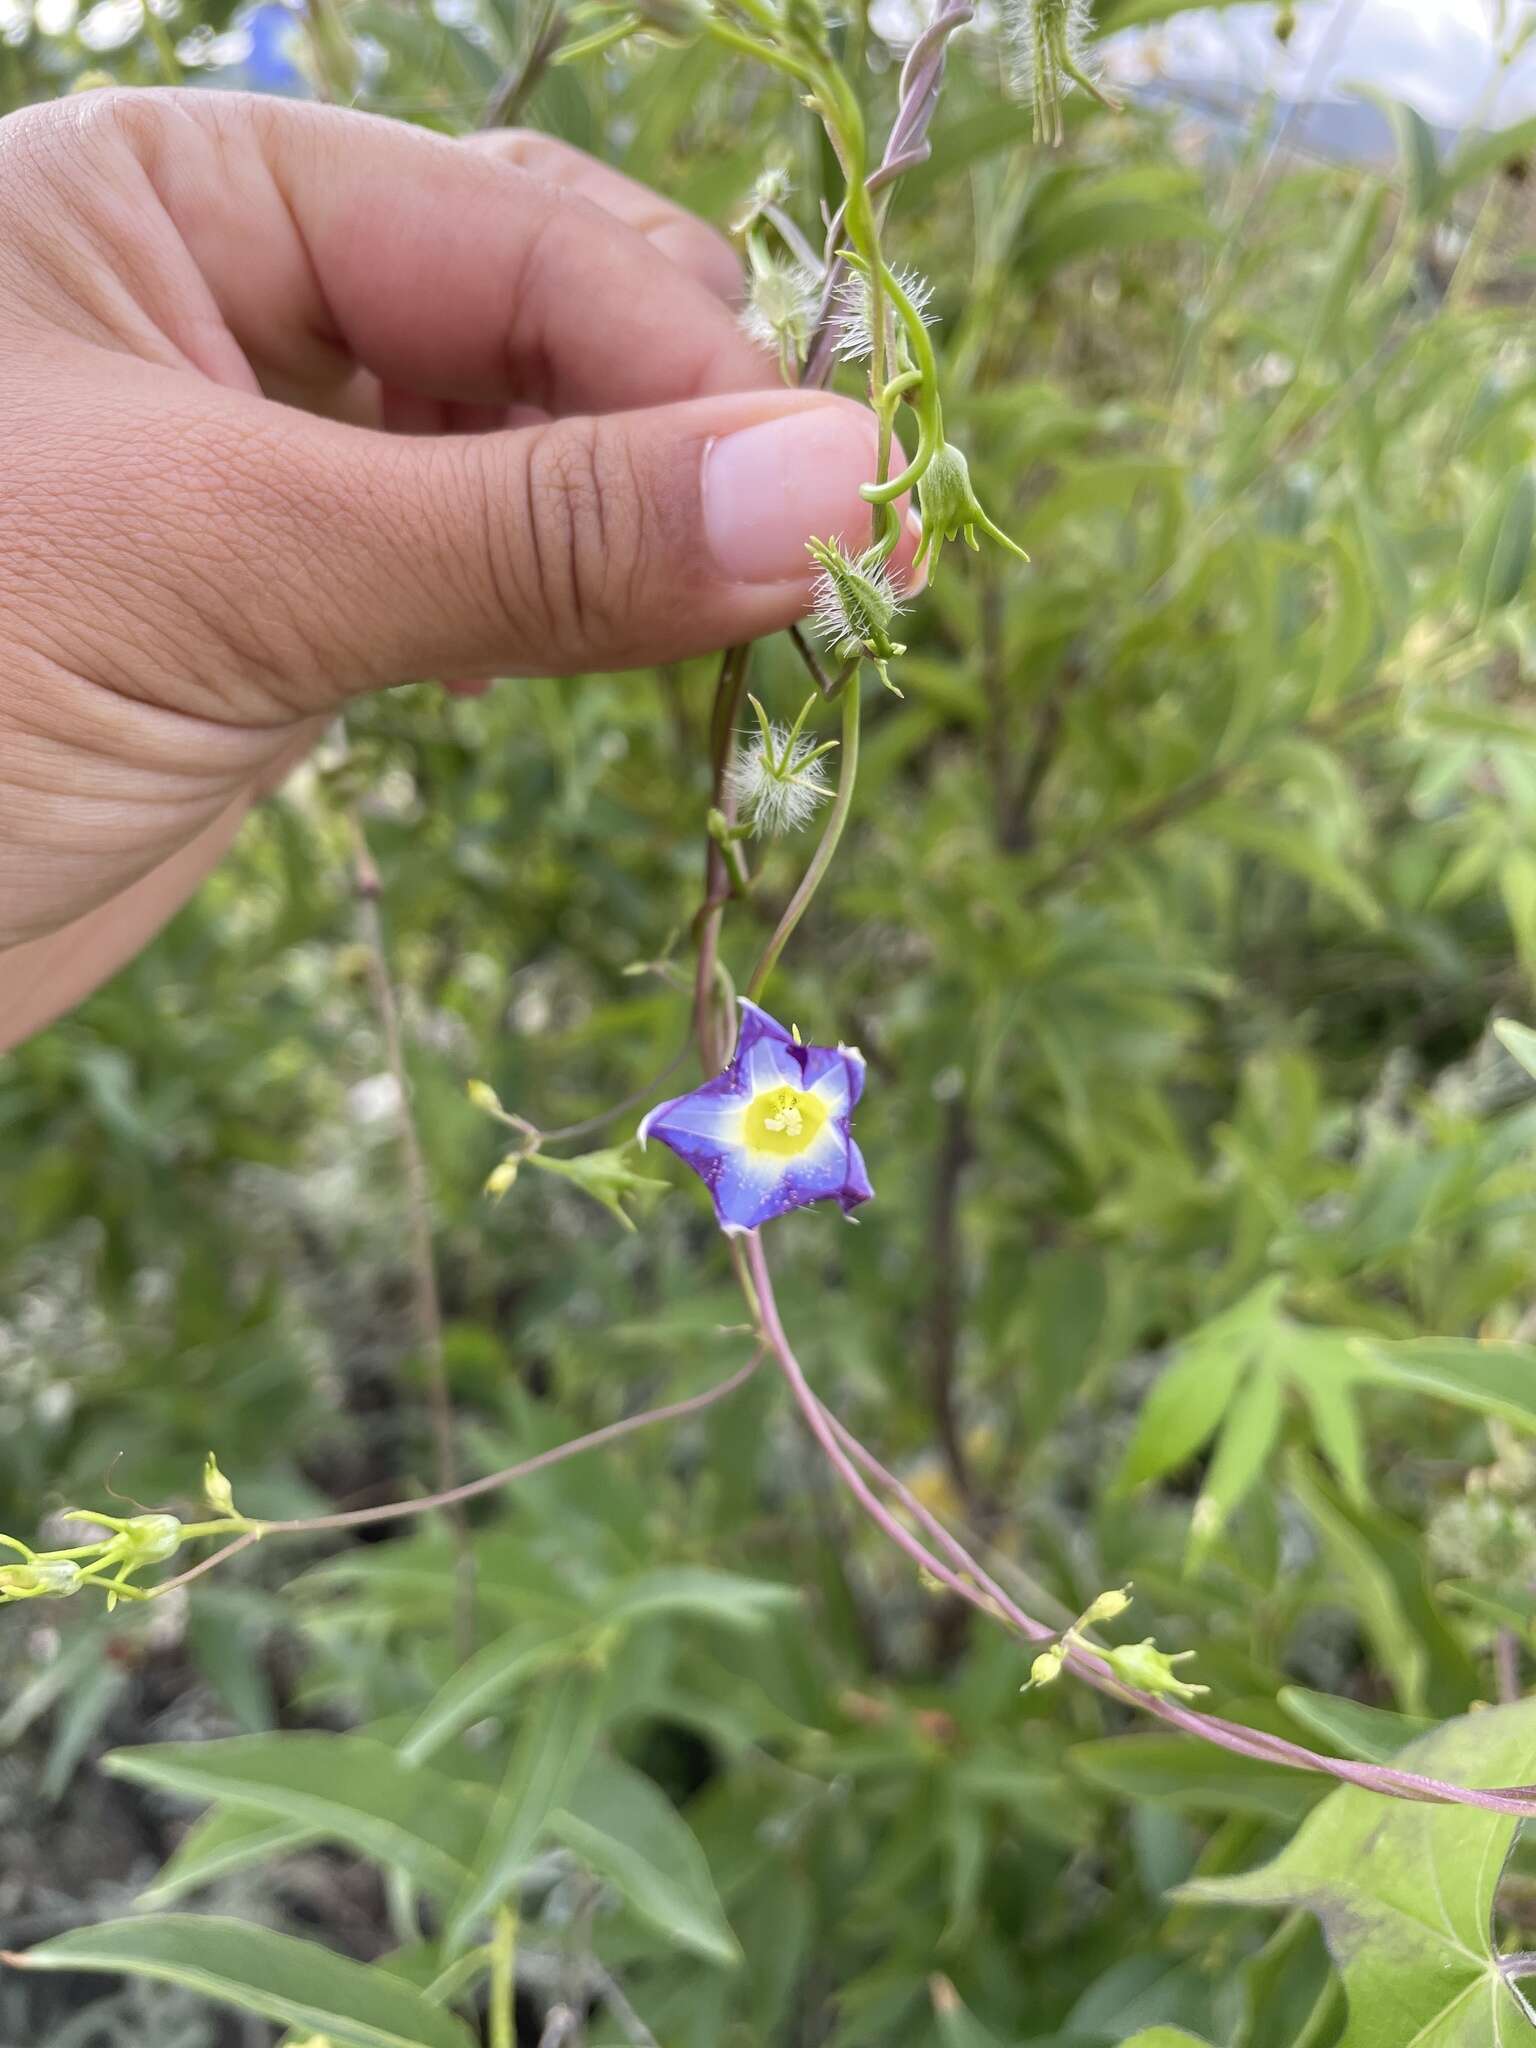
(626, 1830)
(729, 1599)
(1382, 1564)
(1496, 556)
(1189, 1400)
(1518, 1040)
(1352, 254)
(1248, 1436)
(343, 1786)
(225, 1840)
(480, 1685)
(1193, 1777)
(294, 1983)
(1493, 1378)
(552, 1747)
(1370, 1734)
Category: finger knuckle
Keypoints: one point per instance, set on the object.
(585, 521)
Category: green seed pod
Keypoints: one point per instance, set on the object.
(45, 1578)
(151, 1539)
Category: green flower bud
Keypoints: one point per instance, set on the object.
(1150, 1669)
(1046, 1668)
(45, 1578)
(151, 1539)
(217, 1491)
(949, 507)
(857, 603)
(1108, 1607)
(484, 1097)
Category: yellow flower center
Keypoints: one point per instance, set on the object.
(783, 1122)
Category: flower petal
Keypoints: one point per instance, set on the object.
(856, 1187)
(833, 1078)
(751, 1190)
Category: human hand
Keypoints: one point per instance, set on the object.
(298, 403)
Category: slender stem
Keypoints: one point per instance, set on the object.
(821, 859)
(729, 690)
(472, 1489)
(518, 84)
(969, 1581)
(425, 1299)
(504, 1979)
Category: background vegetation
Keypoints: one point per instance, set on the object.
(1181, 889)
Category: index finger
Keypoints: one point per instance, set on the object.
(680, 236)
(325, 236)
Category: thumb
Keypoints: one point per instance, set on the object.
(610, 542)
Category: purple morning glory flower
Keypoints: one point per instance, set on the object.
(772, 1133)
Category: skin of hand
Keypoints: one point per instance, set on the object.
(298, 403)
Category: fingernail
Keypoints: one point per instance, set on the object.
(769, 487)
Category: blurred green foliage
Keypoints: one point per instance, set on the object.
(1180, 892)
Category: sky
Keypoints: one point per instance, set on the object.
(1441, 56)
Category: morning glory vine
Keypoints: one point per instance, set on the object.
(769, 1129)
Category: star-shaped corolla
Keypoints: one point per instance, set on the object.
(773, 1131)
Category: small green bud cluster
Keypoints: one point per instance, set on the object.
(1142, 1665)
(609, 1176)
(126, 1546)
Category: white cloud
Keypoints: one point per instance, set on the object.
(1442, 56)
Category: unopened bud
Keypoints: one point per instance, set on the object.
(151, 1539)
(1046, 1668)
(1150, 1669)
(484, 1097)
(501, 1179)
(45, 1578)
(217, 1491)
(1108, 1607)
(950, 507)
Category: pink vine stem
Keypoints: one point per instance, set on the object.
(968, 1580)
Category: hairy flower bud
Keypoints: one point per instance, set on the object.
(1050, 40)
(780, 314)
(778, 779)
(852, 308)
(857, 602)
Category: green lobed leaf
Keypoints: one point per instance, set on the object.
(1405, 1893)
